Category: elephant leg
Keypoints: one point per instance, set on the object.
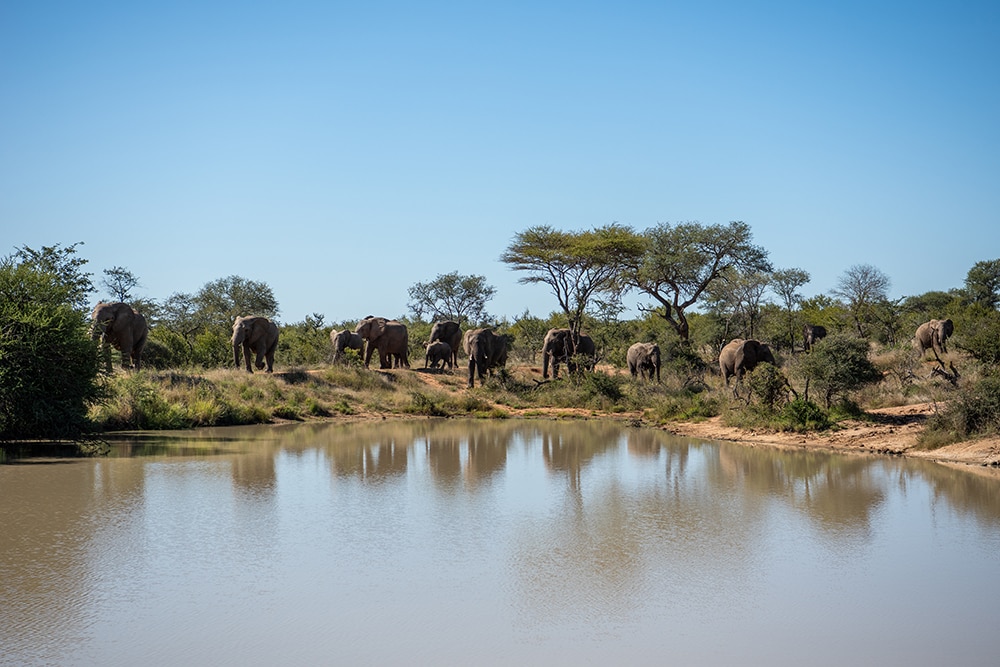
(248, 357)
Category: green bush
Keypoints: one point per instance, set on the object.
(838, 365)
(975, 411)
(768, 387)
(599, 383)
(48, 363)
(802, 415)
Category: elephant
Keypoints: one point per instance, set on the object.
(438, 351)
(256, 335)
(739, 356)
(644, 360)
(812, 333)
(123, 327)
(389, 337)
(933, 335)
(345, 340)
(486, 351)
(558, 347)
(450, 332)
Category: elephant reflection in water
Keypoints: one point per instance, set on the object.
(379, 459)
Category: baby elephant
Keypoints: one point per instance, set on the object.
(438, 351)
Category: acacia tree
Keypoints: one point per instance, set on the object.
(863, 287)
(451, 296)
(577, 266)
(679, 262)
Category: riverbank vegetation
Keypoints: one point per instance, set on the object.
(707, 285)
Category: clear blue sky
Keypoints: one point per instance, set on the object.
(343, 151)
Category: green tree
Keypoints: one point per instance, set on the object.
(737, 298)
(577, 266)
(221, 301)
(66, 268)
(862, 287)
(119, 282)
(982, 284)
(785, 284)
(838, 365)
(679, 262)
(529, 333)
(451, 296)
(48, 363)
(305, 343)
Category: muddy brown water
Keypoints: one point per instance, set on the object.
(492, 543)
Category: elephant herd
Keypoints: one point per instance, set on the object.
(124, 328)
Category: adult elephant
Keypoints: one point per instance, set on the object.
(343, 341)
(123, 327)
(742, 356)
(486, 351)
(450, 332)
(933, 335)
(255, 336)
(389, 337)
(559, 346)
(644, 360)
(812, 333)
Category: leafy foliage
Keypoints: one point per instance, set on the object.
(48, 364)
(982, 284)
(863, 287)
(679, 262)
(837, 365)
(451, 296)
(975, 411)
(65, 267)
(577, 266)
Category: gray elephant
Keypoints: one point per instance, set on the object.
(343, 341)
(742, 356)
(389, 337)
(450, 332)
(812, 333)
(644, 360)
(558, 347)
(256, 336)
(486, 349)
(438, 352)
(933, 335)
(124, 328)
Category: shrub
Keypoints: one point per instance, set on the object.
(48, 364)
(803, 415)
(767, 387)
(838, 365)
(975, 411)
(602, 384)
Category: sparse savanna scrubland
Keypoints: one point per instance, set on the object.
(724, 346)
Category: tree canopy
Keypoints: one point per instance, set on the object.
(679, 262)
(863, 287)
(451, 296)
(577, 266)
